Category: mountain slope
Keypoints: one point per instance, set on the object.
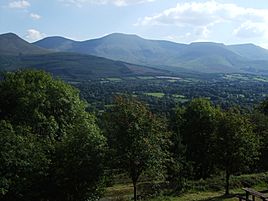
(16, 53)
(76, 66)
(129, 48)
(250, 51)
(11, 44)
(203, 57)
(56, 43)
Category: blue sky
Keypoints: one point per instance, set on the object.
(183, 21)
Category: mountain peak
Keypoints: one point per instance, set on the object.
(57, 43)
(122, 36)
(208, 43)
(9, 35)
(12, 44)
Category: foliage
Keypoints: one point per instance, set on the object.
(263, 107)
(49, 145)
(197, 129)
(137, 137)
(23, 162)
(35, 99)
(260, 127)
(78, 163)
(236, 145)
(178, 168)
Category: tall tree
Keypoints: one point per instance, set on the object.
(34, 98)
(259, 118)
(23, 163)
(178, 169)
(52, 134)
(199, 124)
(263, 107)
(137, 137)
(236, 145)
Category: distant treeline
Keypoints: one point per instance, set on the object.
(52, 149)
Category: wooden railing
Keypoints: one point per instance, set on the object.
(251, 195)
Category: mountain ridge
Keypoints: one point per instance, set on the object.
(17, 53)
(200, 57)
(164, 54)
(12, 44)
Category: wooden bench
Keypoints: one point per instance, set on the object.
(253, 194)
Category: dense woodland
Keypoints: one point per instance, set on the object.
(57, 144)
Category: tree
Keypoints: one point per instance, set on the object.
(34, 98)
(178, 168)
(236, 145)
(259, 120)
(78, 164)
(137, 137)
(22, 163)
(59, 148)
(197, 129)
(263, 107)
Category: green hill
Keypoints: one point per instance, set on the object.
(250, 51)
(76, 66)
(11, 44)
(205, 57)
(129, 48)
(201, 57)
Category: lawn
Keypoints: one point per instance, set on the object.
(114, 79)
(124, 192)
(155, 94)
(146, 77)
(198, 196)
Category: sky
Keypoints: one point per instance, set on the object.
(182, 21)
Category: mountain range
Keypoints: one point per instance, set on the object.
(126, 55)
(16, 53)
(201, 57)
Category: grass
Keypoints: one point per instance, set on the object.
(236, 77)
(178, 96)
(260, 79)
(114, 79)
(172, 81)
(146, 77)
(202, 190)
(155, 94)
(198, 196)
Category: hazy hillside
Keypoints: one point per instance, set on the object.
(16, 53)
(77, 66)
(250, 51)
(130, 48)
(56, 43)
(202, 57)
(11, 44)
(205, 57)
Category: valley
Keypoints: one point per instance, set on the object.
(164, 93)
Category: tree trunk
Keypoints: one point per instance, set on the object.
(227, 178)
(135, 190)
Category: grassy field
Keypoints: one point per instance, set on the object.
(203, 190)
(114, 79)
(146, 77)
(155, 94)
(198, 196)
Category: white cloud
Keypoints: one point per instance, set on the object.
(19, 4)
(80, 3)
(35, 16)
(251, 30)
(33, 35)
(201, 17)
